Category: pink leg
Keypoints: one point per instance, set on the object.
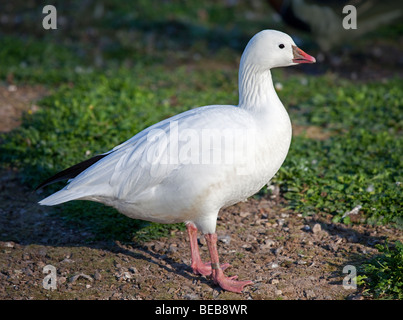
(197, 265)
(227, 283)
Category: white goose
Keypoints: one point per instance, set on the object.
(186, 168)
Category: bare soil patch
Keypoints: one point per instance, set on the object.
(14, 101)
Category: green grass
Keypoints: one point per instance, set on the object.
(382, 276)
(32, 61)
(360, 163)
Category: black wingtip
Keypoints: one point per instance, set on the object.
(71, 172)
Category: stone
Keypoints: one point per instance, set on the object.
(316, 228)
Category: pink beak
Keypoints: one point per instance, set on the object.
(301, 57)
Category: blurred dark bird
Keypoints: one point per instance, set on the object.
(324, 19)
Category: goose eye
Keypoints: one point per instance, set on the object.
(281, 46)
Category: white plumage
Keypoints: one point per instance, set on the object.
(186, 168)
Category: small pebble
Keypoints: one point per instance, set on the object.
(316, 228)
(191, 296)
(309, 294)
(280, 222)
(97, 275)
(172, 248)
(268, 243)
(225, 239)
(8, 244)
(61, 280)
(244, 214)
(278, 251)
(12, 88)
(133, 270)
(80, 275)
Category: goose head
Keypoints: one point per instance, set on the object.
(271, 49)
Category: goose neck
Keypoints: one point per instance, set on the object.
(256, 90)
